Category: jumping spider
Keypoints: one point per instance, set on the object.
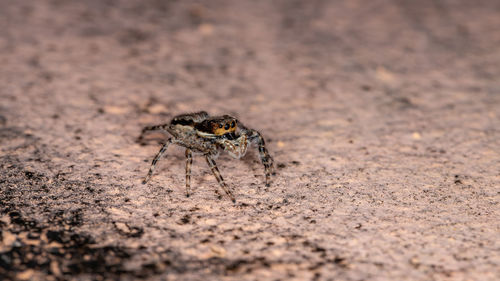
(207, 135)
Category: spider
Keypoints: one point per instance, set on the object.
(207, 135)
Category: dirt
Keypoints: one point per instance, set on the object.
(382, 117)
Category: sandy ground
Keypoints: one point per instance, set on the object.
(382, 116)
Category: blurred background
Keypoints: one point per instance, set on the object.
(382, 116)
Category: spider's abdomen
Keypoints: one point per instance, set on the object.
(189, 119)
(184, 122)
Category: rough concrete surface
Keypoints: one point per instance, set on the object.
(382, 116)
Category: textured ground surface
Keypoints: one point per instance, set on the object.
(382, 116)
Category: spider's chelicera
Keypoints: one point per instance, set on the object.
(207, 135)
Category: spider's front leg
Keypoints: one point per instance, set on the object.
(265, 158)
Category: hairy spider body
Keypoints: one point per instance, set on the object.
(208, 135)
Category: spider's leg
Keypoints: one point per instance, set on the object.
(265, 158)
(189, 162)
(157, 157)
(151, 128)
(215, 171)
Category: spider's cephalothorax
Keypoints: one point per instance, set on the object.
(201, 133)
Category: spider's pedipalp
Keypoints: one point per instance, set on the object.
(236, 148)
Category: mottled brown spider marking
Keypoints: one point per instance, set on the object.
(207, 135)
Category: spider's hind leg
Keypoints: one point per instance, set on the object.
(147, 129)
(157, 157)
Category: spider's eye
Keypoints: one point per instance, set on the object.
(220, 125)
(226, 127)
(232, 124)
